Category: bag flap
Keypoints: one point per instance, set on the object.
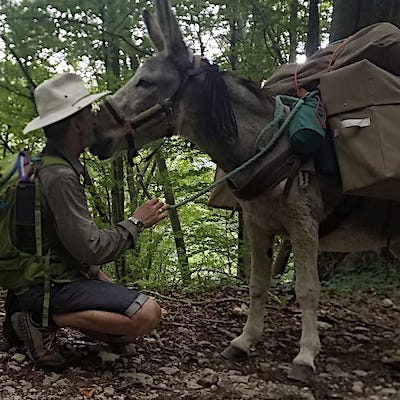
(357, 86)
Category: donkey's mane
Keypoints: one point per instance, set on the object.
(218, 115)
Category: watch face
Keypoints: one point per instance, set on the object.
(139, 224)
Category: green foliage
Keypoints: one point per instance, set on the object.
(105, 41)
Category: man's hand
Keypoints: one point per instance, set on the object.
(151, 212)
(102, 276)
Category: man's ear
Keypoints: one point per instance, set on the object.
(76, 125)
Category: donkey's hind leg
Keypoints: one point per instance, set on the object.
(260, 279)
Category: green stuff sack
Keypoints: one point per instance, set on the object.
(307, 127)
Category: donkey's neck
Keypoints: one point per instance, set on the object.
(253, 108)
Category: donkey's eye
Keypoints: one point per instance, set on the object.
(144, 83)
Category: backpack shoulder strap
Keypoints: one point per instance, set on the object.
(48, 160)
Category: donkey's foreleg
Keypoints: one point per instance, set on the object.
(260, 279)
(305, 250)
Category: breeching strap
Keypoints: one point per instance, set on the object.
(277, 132)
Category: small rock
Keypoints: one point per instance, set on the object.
(239, 379)
(242, 310)
(19, 358)
(14, 367)
(264, 367)
(360, 373)
(107, 357)
(387, 303)
(10, 389)
(388, 391)
(357, 387)
(107, 375)
(208, 378)
(193, 385)
(204, 343)
(169, 370)
(138, 379)
(25, 385)
(64, 382)
(324, 325)
(234, 372)
(109, 391)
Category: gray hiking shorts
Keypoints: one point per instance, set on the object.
(82, 295)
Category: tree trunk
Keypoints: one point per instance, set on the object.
(294, 6)
(313, 33)
(132, 189)
(349, 16)
(174, 218)
(111, 60)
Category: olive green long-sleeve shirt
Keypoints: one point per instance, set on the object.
(68, 228)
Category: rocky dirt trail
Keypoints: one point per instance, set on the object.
(181, 360)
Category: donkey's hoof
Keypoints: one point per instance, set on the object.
(233, 353)
(302, 373)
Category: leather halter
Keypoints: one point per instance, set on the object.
(145, 116)
(165, 107)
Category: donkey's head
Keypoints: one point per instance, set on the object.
(142, 109)
(172, 90)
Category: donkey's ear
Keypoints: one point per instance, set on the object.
(167, 21)
(154, 30)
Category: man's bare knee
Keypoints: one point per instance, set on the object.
(146, 318)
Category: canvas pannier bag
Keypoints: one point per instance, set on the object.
(362, 102)
(378, 43)
(221, 196)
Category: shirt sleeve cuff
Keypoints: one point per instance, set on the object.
(131, 228)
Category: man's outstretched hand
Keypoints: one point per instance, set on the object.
(151, 212)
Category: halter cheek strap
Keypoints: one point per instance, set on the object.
(129, 130)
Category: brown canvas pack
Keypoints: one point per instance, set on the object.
(363, 107)
(378, 43)
(221, 196)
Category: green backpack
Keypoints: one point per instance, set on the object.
(20, 222)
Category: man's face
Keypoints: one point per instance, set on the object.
(87, 127)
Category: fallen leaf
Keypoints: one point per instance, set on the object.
(87, 392)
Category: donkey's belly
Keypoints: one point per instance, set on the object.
(348, 240)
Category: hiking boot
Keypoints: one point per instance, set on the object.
(40, 342)
(10, 337)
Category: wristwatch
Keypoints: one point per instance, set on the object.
(139, 224)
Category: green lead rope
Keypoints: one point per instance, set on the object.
(277, 129)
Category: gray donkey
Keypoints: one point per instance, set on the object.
(175, 91)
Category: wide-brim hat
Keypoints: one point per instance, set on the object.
(60, 97)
